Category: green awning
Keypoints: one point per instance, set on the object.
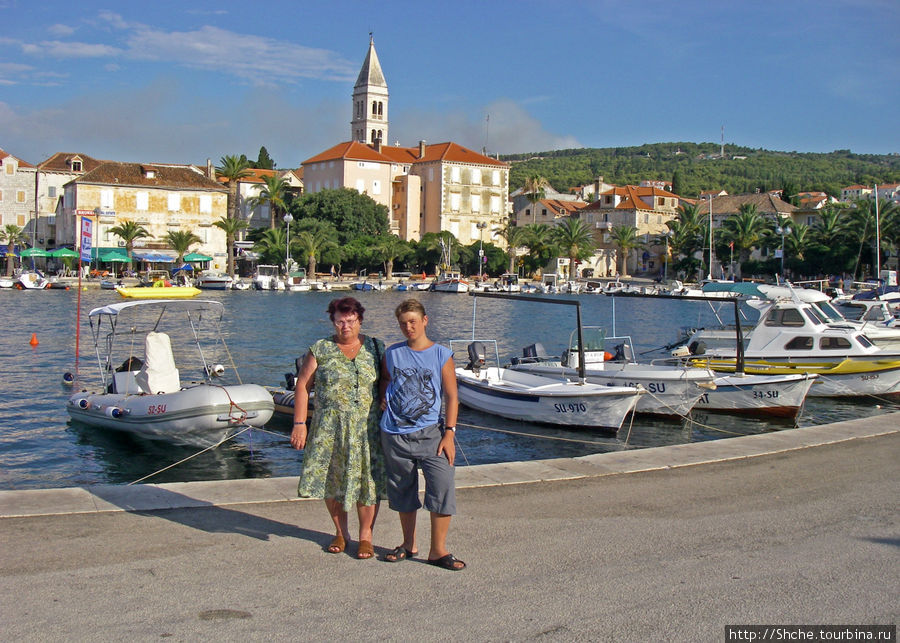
(34, 252)
(63, 252)
(196, 256)
(114, 257)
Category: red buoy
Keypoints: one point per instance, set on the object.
(34, 340)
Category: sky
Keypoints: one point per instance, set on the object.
(182, 82)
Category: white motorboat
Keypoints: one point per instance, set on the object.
(672, 389)
(267, 278)
(770, 395)
(31, 280)
(792, 336)
(214, 280)
(529, 397)
(149, 396)
(297, 282)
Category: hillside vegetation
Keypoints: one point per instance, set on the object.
(694, 167)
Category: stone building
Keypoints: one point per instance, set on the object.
(159, 197)
(52, 174)
(17, 193)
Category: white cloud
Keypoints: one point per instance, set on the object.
(509, 130)
(61, 30)
(68, 49)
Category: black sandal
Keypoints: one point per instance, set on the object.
(448, 562)
(399, 554)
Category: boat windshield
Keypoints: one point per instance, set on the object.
(594, 338)
(829, 312)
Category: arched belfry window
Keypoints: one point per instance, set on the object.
(373, 136)
(380, 107)
(374, 107)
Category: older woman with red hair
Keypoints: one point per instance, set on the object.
(343, 461)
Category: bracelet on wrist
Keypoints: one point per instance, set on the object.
(296, 423)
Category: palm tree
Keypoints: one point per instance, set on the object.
(13, 235)
(232, 169)
(231, 227)
(181, 242)
(626, 238)
(574, 238)
(536, 237)
(513, 236)
(746, 230)
(314, 239)
(274, 195)
(271, 245)
(535, 189)
(390, 248)
(129, 231)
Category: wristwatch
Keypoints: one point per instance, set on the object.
(450, 428)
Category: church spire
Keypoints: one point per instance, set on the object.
(370, 101)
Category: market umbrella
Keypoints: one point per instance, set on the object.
(34, 252)
(186, 266)
(63, 252)
(196, 256)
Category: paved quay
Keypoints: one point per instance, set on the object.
(668, 543)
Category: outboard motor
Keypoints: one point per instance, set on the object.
(290, 379)
(477, 357)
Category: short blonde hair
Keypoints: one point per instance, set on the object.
(410, 306)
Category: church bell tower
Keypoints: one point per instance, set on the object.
(370, 101)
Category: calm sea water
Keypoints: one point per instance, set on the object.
(40, 447)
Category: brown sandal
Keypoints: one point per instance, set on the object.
(337, 545)
(365, 550)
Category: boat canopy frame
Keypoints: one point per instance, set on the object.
(104, 323)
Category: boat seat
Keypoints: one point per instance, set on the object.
(158, 374)
(124, 382)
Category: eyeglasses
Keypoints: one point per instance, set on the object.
(346, 322)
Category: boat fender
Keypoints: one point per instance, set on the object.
(113, 412)
(607, 356)
(68, 379)
(83, 403)
(217, 370)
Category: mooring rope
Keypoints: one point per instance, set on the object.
(182, 461)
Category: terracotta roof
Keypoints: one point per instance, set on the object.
(62, 162)
(630, 197)
(22, 163)
(456, 153)
(857, 187)
(354, 150)
(132, 174)
(765, 204)
(568, 207)
(254, 176)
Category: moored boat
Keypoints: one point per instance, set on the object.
(529, 397)
(147, 395)
(214, 280)
(161, 292)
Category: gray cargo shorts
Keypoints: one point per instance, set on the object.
(404, 454)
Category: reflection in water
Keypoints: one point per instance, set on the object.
(266, 332)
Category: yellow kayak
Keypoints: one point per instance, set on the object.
(171, 292)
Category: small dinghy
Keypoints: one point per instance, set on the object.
(149, 395)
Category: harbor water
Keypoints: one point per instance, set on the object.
(40, 447)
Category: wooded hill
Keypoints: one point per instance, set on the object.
(697, 167)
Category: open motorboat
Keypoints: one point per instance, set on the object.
(672, 389)
(296, 281)
(792, 336)
(214, 280)
(160, 291)
(149, 395)
(449, 280)
(31, 280)
(544, 399)
(769, 395)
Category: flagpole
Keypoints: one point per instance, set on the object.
(877, 264)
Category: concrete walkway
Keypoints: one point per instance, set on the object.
(798, 526)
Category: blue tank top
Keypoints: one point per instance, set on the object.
(414, 393)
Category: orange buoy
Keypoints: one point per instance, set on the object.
(34, 340)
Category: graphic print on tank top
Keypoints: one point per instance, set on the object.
(413, 394)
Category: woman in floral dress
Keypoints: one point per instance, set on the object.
(343, 462)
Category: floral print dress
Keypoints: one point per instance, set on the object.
(343, 459)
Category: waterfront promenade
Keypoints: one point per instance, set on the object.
(669, 543)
